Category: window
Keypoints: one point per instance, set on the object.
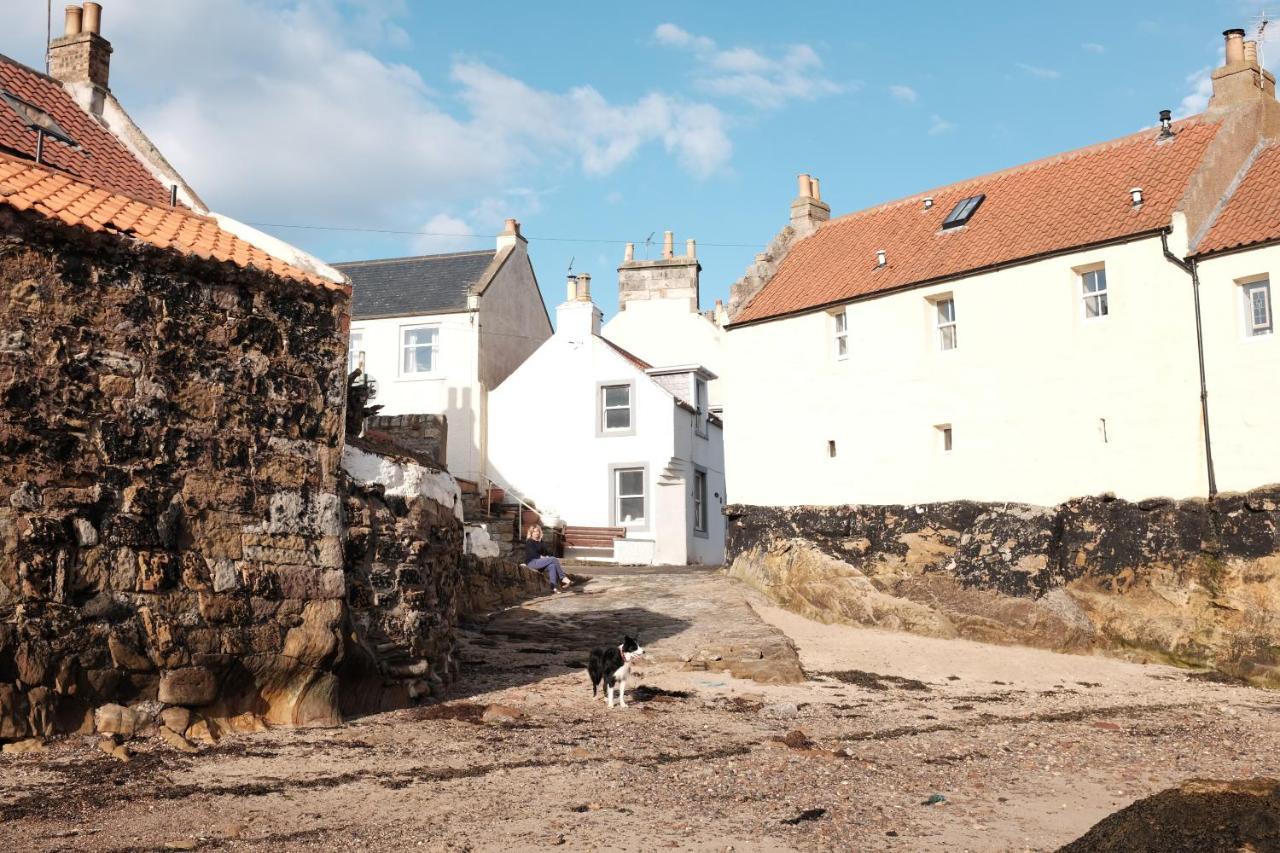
(37, 119)
(699, 501)
(831, 448)
(946, 323)
(963, 211)
(700, 402)
(1093, 285)
(419, 345)
(628, 492)
(944, 437)
(842, 334)
(615, 411)
(355, 352)
(1257, 309)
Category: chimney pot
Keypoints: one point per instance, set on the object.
(817, 190)
(881, 257)
(513, 226)
(571, 288)
(584, 287)
(1166, 124)
(92, 18)
(1235, 45)
(630, 254)
(691, 248)
(928, 202)
(75, 20)
(1251, 52)
(668, 244)
(805, 186)
(1135, 194)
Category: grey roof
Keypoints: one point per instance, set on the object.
(403, 287)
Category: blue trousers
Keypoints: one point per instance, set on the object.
(552, 565)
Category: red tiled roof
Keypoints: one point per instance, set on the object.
(1252, 215)
(634, 359)
(25, 186)
(1075, 199)
(100, 157)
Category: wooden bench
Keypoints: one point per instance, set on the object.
(593, 537)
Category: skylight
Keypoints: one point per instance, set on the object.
(36, 118)
(963, 211)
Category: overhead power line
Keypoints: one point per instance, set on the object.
(355, 229)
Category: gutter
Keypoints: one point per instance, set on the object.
(1191, 269)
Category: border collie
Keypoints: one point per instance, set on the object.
(612, 665)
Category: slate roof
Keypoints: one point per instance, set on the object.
(1252, 215)
(99, 157)
(1075, 199)
(406, 287)
(27, 187)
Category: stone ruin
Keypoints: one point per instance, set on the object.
(179, 542)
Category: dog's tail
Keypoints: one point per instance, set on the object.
(596, 677)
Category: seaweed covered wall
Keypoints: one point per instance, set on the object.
(1191, 582)
(170, 523)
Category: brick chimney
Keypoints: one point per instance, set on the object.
(1241, 79)
(669, 277)
(82, 55)
(808, 211)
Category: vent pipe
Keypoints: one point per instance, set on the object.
(1166, 124)
(881, 257)
(928, 202)
(1135, 195)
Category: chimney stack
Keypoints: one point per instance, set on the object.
(83, 56)
(808, 211)
(1241, 80)
(511, 236)
(577, 318)
(670, 277)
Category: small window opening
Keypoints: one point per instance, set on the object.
(963, 211)
(1094, 292)
(947, 323)
(831, 448)
(944, 437)
(842, 335)
(1257, 308)
(37, 119)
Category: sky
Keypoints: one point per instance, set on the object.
(397, 127)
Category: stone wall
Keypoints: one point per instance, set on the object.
(1188, 582)
(424, 438)
(169, 515)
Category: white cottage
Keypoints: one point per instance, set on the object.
(596, 435)
(435, 333)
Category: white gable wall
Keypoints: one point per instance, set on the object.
(1026, 392)
(667, 331)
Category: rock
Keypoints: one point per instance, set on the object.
(797, 739)
(191, 686)
(115, 720)
(176, 740)
(503, 715)
(112, 747)
(125, 656)
(13, 713)
(24, 747)
(781, 710)
(176, 718)
(203, 730)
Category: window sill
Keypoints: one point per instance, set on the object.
(622, 433)
(426, 377)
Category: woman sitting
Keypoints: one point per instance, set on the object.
(536, 558)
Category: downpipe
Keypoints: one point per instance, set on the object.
(1190, 268)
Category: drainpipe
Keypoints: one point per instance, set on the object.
(1189, 267)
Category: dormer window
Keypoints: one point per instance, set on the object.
(963, 211)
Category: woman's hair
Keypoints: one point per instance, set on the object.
(528, 534)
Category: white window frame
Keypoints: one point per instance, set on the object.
(841, 336)
(948, 331)
(699, 502)
(616, 473)
(603, 408)
(701, 405)
(434, 346)
(1253, 329)
(1101, 297)
(355, 351)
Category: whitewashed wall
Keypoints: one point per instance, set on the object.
(666, 332)
(1026, 391)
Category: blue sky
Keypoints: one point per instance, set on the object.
(596, 123)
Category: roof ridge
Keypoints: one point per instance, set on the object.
(1030, 165)
(341, 264)
(25, 67)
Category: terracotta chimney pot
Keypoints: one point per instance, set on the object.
(584, 287)
(1251, 52)
(75, 20)
(668, 244)
(691, 248)
(1235, 45)
(571, 288)
(630, 254)
(92, 18)
(804, 186)
(817, 190)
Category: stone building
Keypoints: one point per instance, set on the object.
(437, 333)
(1034, 335)
(660, 316)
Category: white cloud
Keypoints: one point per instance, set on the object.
(289, 111)
(1198, 98)
(904, 93)
(1042, 73)
(938, 124)
(1092, 47)
(444, 233)
(765, 82)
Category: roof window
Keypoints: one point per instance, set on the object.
(963, 211)
(36, 118)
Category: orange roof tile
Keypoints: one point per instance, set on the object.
(1252, 214)
(98, 157)
(1075, 199)
(25, 186)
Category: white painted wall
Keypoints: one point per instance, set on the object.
(667, 331)
(543, 443)
(1242, 372)
(1026, 391)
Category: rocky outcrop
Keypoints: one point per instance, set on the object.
(1188, 582)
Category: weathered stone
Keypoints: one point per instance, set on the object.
(112, 747)
(191, 686)
(176, 740)
(176, 718)
(203, 730)
(112, 719)
(125, 656)
(24, 747)
(13, 713)
(316, 641)
(502, 715)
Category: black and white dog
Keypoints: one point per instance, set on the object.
(612, 665)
